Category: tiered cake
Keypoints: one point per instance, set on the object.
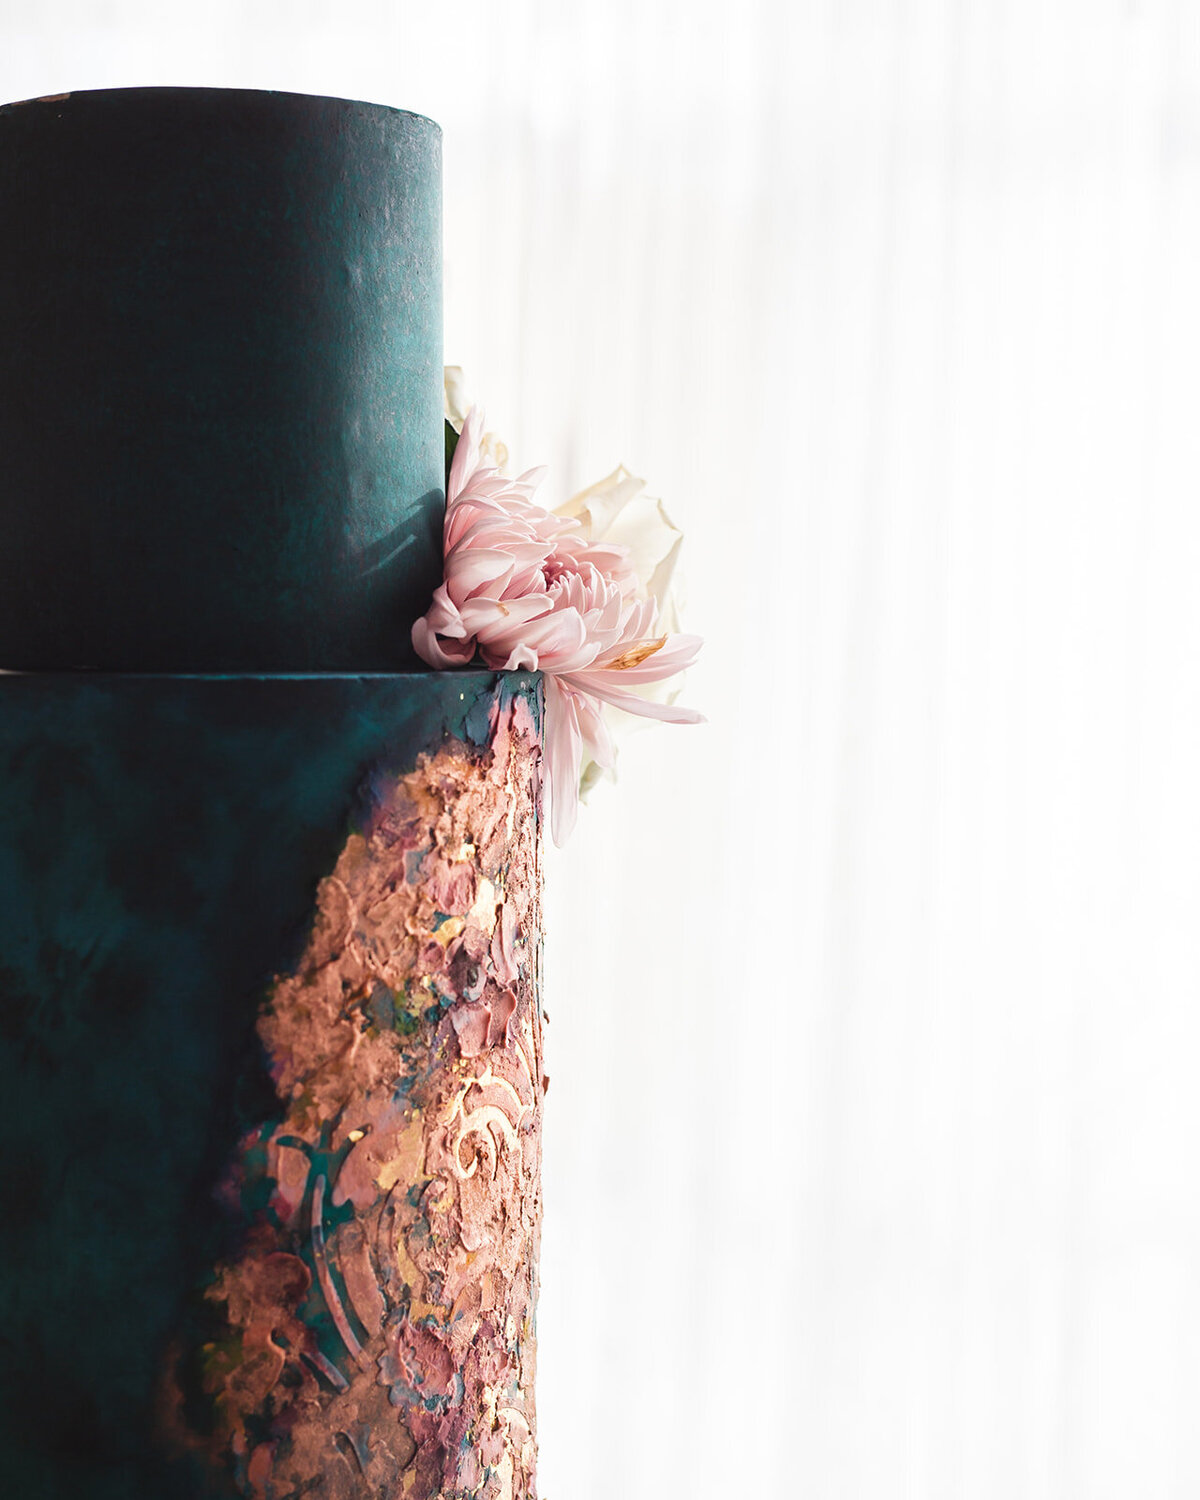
(270, 1032)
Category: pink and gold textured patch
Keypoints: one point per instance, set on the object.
(379, 1316)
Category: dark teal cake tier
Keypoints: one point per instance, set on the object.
(161, 843)
(220, 381)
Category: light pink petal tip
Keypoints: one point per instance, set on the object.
(466, 455)
(563, 749)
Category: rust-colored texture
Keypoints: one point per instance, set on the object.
(373, 1331)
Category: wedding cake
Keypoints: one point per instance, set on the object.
(270, 1020)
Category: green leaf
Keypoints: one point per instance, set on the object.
(451, 445)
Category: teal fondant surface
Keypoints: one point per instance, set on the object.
(160, 844)
(220, 381)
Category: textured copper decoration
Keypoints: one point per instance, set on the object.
(378, 1317)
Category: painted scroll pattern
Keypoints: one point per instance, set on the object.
(376, 1328)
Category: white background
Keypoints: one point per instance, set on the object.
(871, 1159)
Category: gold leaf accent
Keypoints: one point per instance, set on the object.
(635, 655)
(448, 931)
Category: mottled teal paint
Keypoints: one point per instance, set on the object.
(220, 381)
(160, 844)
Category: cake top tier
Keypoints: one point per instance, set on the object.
(220, 381)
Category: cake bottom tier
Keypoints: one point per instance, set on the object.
(270, 1050)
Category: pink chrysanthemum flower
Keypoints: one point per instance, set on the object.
(525, 590)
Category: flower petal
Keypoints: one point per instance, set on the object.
(675, 655)
(475, 568)
(440, 651)
(497, 623)
(597, 741)
(466, 454)
(603, 685)
(563, 749)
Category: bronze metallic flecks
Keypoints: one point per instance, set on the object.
(379, 1317)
